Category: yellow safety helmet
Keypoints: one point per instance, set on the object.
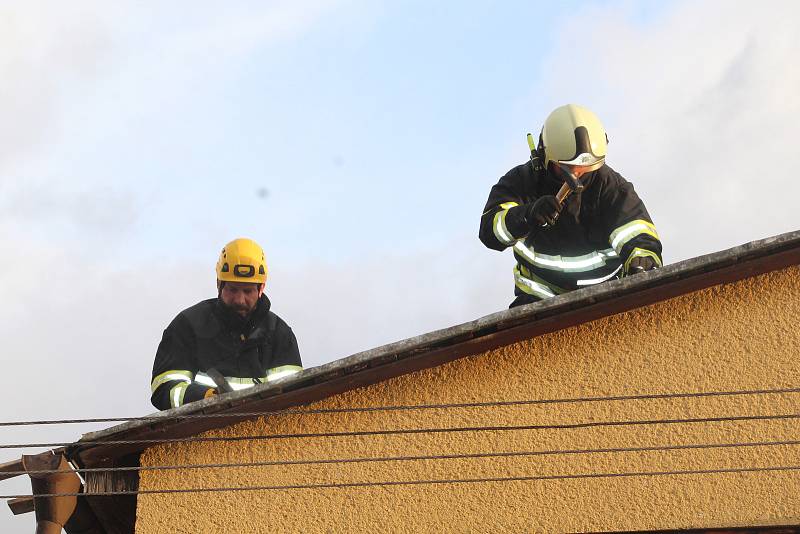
(573, 136)
(242, 260)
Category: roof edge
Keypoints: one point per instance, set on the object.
(440, 346)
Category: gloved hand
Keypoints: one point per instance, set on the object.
(543, 213)
(210, 393)
(641, 264)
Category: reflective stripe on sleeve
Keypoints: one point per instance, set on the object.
(206, 380)
(176, 394)
(642, 253)
(499, 224)
(169, 376)
(567, 264)
(284, 370)
(236, 383)
(628, 231)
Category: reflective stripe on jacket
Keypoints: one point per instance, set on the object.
(596, 235)
(259, 349)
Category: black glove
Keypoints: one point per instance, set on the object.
(641, 264)
(543, 213)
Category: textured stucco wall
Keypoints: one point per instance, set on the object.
(732, 337)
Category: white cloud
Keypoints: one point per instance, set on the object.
(79, 322)
(169, 56)
(42, 49)
(97, 321)
(96, 212)
(337, 310)
(76, 310)
(235, 32)
(74, 75)
(694, 111)
(703, 112)
(701, 104)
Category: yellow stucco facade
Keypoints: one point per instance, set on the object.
(741, 336)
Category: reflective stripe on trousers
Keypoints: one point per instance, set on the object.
(533, 285)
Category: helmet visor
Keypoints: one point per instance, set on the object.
(579, 166)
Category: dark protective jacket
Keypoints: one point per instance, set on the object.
(208, 335)
(594, 239)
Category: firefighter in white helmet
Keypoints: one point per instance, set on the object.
(227, 343)
(599, 231)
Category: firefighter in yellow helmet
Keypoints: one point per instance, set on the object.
(227, 343)
(571, 220)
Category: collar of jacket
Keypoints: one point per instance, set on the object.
(236, 322)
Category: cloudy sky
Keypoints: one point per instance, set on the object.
(357, 142)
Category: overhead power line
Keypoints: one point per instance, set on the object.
(479, 455)
(340, 485)
(488, 404)
(498, 428)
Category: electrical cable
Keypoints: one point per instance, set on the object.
(338, 485)
(499, 428)
(502, 454)
(488, 404)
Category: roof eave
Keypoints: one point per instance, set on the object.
(441, 346)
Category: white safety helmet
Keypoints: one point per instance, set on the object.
(573, 138)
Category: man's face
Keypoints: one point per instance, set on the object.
(241, 297)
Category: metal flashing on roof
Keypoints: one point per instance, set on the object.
(441, 346)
